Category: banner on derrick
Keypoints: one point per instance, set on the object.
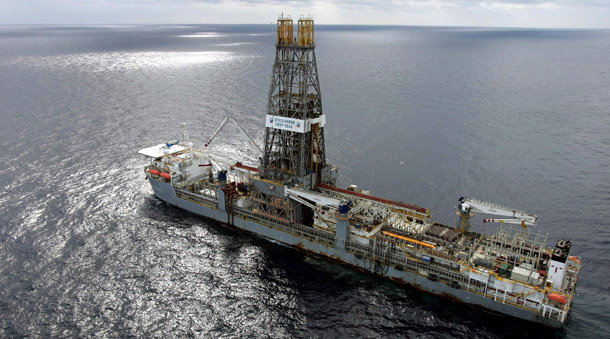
(292, 124)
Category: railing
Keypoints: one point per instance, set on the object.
(196, 198)
(543, 309)
(306, 232)
(384, 253)
(395, 257)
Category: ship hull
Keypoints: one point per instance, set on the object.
(166, 192)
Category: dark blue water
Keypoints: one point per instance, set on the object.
(424, 115)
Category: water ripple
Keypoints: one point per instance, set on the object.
(87, 250)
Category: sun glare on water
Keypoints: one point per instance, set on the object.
(125, 61)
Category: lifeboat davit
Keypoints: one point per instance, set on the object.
(558, 298)
(165, 175)
(154, 171)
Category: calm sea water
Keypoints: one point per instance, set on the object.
(425, 115)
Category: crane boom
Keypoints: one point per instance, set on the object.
(246, 136)
(297, 195)
(518, 217)
(509, 221)
(222, 124)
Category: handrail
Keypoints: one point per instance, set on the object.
(390, 255)
(198, 198)
(308, 232)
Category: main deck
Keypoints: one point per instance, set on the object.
(383, 237)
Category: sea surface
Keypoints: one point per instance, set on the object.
(519, 117)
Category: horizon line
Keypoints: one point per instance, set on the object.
(317, 24)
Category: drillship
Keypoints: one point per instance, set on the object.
(291, 197)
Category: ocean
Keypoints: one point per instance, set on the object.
(519, 117)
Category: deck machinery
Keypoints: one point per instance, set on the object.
(292, 197)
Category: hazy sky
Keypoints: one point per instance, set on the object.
(504, 13)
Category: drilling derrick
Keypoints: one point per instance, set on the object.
(294, 153)
(294, 134)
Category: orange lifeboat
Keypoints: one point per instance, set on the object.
(558, 298)
(165, 175)
(154, 171)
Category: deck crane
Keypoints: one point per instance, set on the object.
(215, 166)
(246, 136)
(468, 206)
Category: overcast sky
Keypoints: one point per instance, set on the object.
(498, 13)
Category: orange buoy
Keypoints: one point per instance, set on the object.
(558, 298)
(165, 175)
(154, 171)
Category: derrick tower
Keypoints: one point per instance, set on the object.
(294, 135)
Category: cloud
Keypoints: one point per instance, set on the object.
(367, 3)
(506, 13)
